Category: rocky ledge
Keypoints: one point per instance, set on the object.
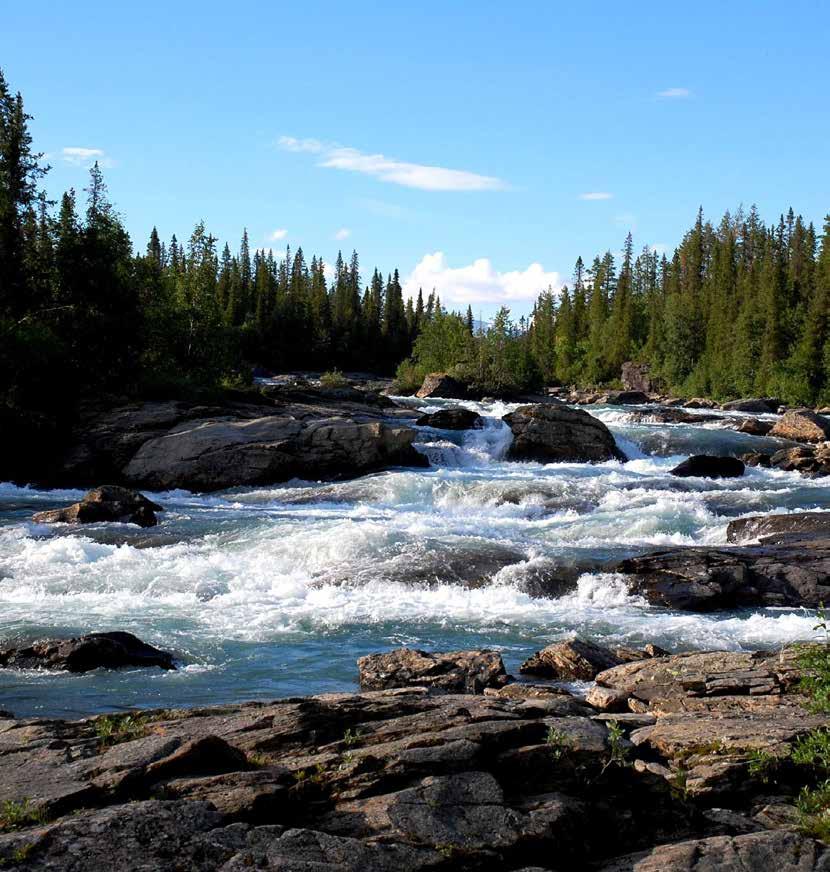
(247, 439)
(518, 777)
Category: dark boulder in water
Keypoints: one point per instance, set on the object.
(710, 466)
(114, 650)
(627, 398)
(107, 503)
(557, 433)
(754, 427)
(451, 672)
(451, 419)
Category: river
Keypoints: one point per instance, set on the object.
(275, 591)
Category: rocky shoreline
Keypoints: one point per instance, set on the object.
(674, 762)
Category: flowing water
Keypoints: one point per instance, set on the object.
(275, 591)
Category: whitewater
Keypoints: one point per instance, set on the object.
(275, 591)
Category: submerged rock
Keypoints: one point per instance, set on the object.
(802, 425)
(451, 671)
(114, 650)
(107, 503)
(709, 466)
(442, 386)
(451, 419)
(556, 433)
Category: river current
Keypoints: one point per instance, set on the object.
(275, 591)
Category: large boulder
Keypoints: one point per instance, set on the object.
(709, 466)
(802, 425)
(705, 579)
(572, 660)
(755, 406)
(220, 453)
(553, 433)
(450, 671)
(700, 403)
(442, 386)
(114, 650)
(637, 377)
(754, 427)
(107, 503)
(775, 528)
(809, 460)
(451, 419)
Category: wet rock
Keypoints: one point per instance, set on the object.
(782, 851)
(451, 672)
(107, 503)
(114, 650)
(709, 466)
(772, 529)
(451, 419)
(637, 377)
(443, 386)
(754, 406)
(705, 579)
(756, 458)
(802, 425)
(754, 427)
(213, 454)
(700, 403)
(627, 398)
(810, 461)
(671, 415)
(574, 659)
(555, 433)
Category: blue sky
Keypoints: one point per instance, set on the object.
(457, 141)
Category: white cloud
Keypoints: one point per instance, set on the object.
(675, 93)
(85, 157)
(343, 233)
(596, 195)
(277, 235)
(397, 172)
(479, 282)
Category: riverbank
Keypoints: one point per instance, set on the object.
(695, 760)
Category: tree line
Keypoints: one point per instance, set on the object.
(739, 309)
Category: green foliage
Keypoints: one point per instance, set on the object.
(352, 737)
(813, 806)
(16, 815)
(618, 747)
(334, 379)
(117, 728)
(558, 743)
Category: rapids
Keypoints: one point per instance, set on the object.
(275, 591)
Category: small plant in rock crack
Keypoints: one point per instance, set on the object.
(15, 815)
(258, 760)
(558, 743)
(763, 764)
(113, 729)
(618, 749)
(352, 737)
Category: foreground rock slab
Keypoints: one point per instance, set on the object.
(453, 671)
(520, 778)
(107, 503)
(552, 433)
(578, 660)
(115, 650)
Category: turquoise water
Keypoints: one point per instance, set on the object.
(276, 591)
